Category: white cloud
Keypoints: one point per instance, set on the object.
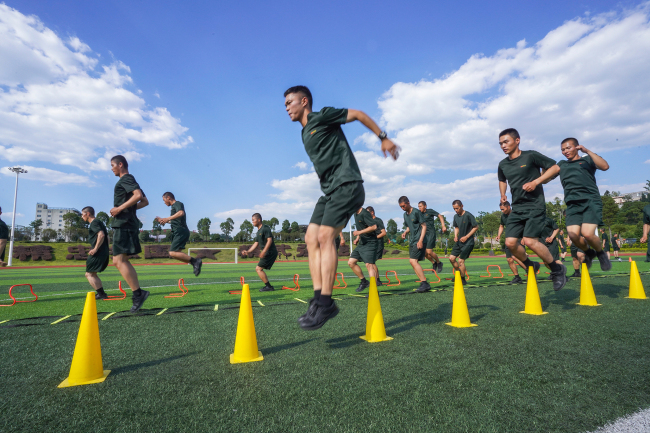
(301, 165)
(157, 95)
(8, 216)
(58, 105)
(586, 78)
(647, 162)
(50, 177)
(624, 189)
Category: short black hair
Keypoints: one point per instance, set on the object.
(511, 132)
(370, 209)
(403, 199)
(574, 140)
(423, 202)
(169, 195)
(119, 158)
(505, 203)
(301, 89)
(257, 215)
(89, 209)
(458, 202)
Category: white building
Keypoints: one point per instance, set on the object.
(52, 217)
(634, 196)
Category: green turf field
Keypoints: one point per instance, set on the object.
(571, 370)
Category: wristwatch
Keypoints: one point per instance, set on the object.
(382, 135)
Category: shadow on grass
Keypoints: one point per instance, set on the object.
(133, 367)
(567, 299)
(280, 348)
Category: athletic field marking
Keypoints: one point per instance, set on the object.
(216, 307)
(60, 320)
(358, 296)
(300, 300)
(161, 311)
(338, 299)
(386, 293)
(260, 302)
(5, 321)
(108, 315)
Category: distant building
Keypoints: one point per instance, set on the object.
(52, 217)
(635, 196)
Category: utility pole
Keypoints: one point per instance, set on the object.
(16, 170)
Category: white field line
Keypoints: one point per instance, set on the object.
(636, 423)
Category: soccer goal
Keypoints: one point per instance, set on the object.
(234, 250)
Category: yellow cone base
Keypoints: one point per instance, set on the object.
(534, 314)
(365, 337)
(241, 361)
(460, 326)
(66, 383)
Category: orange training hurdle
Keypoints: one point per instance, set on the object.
(434, 271)
(14, 299)
(117, 297)
(338, 283)
(389, 283)
(182, 288)
(489, 275)
(242, 281)
(466, 275)
(296, 287)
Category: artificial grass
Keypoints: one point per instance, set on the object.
(571, 370)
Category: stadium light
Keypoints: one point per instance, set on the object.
(17, 170)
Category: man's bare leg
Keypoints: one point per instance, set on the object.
(261, 274)
(313, 252)
(353, 263)
(418, 269)
(591, 239)
(454, 264)
(328, 257)
(461, 267)
(94, 280)
(3, 244)
(182, 257)
(372, 270)
(127, 271)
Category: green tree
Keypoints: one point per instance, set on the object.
(195, 237)
(156, 229)
(144, 236)
(646, 196)
(36, 228)
(214, 237)
(273, 223)
(491, 222)
(610, 210)
(72, 222)
(247, 228)
(203, 227)
(630, 213)
(103, 217)
(48, 235)
(295, 227)
(227, 227)
(286, 226)
(391, 228)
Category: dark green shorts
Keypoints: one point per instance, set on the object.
(430, 241)
(575, 250)
(607, 247)
(464, 250)
(97, 263)
(553, 248)
(179, 239)
(615, 247)
(267, 261)
(336, 208)
(2, 255)
(366, 253)
(380, 250)
(415, 253)
(526, 223)
(584, 212)
(125, 241)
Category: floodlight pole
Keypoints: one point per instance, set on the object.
(16, 170)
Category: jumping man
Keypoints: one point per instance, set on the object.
(512, 260)
(521, 169)
(98, 256)
(381, 234)
(127, 198)
(180, 232)
(4, 237)
(366, 250)
(269, 252)
(416, 226)
(342, 186)
(465, 226)
(430, 219)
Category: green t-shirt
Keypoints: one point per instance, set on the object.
(560, 240)
(521, 170)
(4, 230)
(414, 222)
(430, 216)
(363, 220)
(605, 237)
(263, 235)
(646, 214)
(178, 223)
(465, 224)
(549, 227)
(504, 219)
(579, 179)
(93, 230)
(124, 188)
(328, 148)
(380, 227)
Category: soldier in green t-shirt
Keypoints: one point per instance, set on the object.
(521, 170)
(616, 246)
(549, 238)
(416, 228)
(366, 250)
(606, 246)
(269, 252)
(430, 218)
(99, 255)
(342, 186)
(381, 234)
(578, 257)
(562, 243)
(127, 198)
(4, 236)
(465, 226)
(180, 232)
(512, 260)
(646, 230)
(584, 212)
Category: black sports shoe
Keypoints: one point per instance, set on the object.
(310, 310)
(139, 300)
(424, 287)
(197, 267)
(439, 270)
(516, 280)
(550, 277)
(562, 259)
(605, 263)
(379, 283)
(590, 254)
(101, 295)
(576, 274)
(267, 289)
(363, 286)
(463, 280)
(559, 278)
(536, 266)
(319, 316)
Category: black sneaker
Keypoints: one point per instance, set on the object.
(463, 280)
(590, 254)
(550, 277)
(379, 283)
(267, 289)
(101, 295)
(310, 310)
(576, 274)
(536, 266)
(605, 263)
(363, 285)
(319, 316)
(197, 267)
(439, 270)
(424, 287)
(139, 300)
(559, 278)
(562, 260)
(516, 280)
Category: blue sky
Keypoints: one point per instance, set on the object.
(193, 94)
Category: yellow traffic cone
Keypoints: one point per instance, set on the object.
(375, 330)
(636, 287)
(587, 295)
(533, 303)
(87, 366)
(459, 312)
(246, 340)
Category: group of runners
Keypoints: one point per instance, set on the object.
(524, 220)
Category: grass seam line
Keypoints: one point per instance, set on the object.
(60, 320)
(161, 311)
(300, 300)
(260, 302)
(108, 315)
